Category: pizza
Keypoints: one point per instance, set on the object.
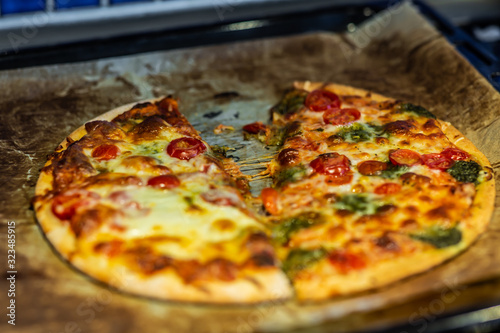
(367, 190)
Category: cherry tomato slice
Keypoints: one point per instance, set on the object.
(455, 154)
(255, 128)
(65, 205)
(341, 116)
(322, 100)
(388, 188)
(339, 180)
(270, 200)
(185, 148)
(371, 168)
(332, 164)
(346, 262)
(404, 157)
(437, 161)
(164, 181)
(105, 152)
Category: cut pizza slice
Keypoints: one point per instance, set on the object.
(137, 200)
(368, 190)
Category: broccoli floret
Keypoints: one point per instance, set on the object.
(394, 171)
(361, 132)
(283, 231)
(465, 171)
(355, 133)
(358, 203)
(299, 259)
(416, 109)
(440, 237)
(292, 174)
(292, 102)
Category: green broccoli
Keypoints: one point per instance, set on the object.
(465, 171)
(299, 259)
(416, 109)
(439, 237)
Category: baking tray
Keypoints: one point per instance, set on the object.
(465, 313)
(333, 18)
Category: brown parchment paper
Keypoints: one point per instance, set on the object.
(396, 53)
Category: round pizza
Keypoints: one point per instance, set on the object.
(366, 190)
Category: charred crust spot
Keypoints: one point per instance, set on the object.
(112, 179)
(218, 269)
(149, 129)
(441, 212)
(425, 198)
(334, 140)
(137, 112)
(381, 141)
(169, 107)
(386, 209)
(387, 243)
(409, 223)
(262, 251)
(400, 127)
(142, 105)
(355, 100)
(85, 222)
(413, 179)
(148, 261)
(411, 210)
(109, 248)
(387, 105)
(263, 259)
(435, 136)
(71, 166)
(104, 129)
(330, 198)
(430, 125)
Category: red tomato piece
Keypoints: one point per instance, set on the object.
(339, 180)
(404, 157)
(437, 161)
(346, 262)
(255, 128)
(65, 205)
(455, 154)
(185, 148)
(105, 152)
(331, 164)
(341, 116)
(371, 168)
(270, 200)
(322, 100)
(388, 188)
(165, 181)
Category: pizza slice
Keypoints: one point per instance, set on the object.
(137, 200)
(368, 190)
